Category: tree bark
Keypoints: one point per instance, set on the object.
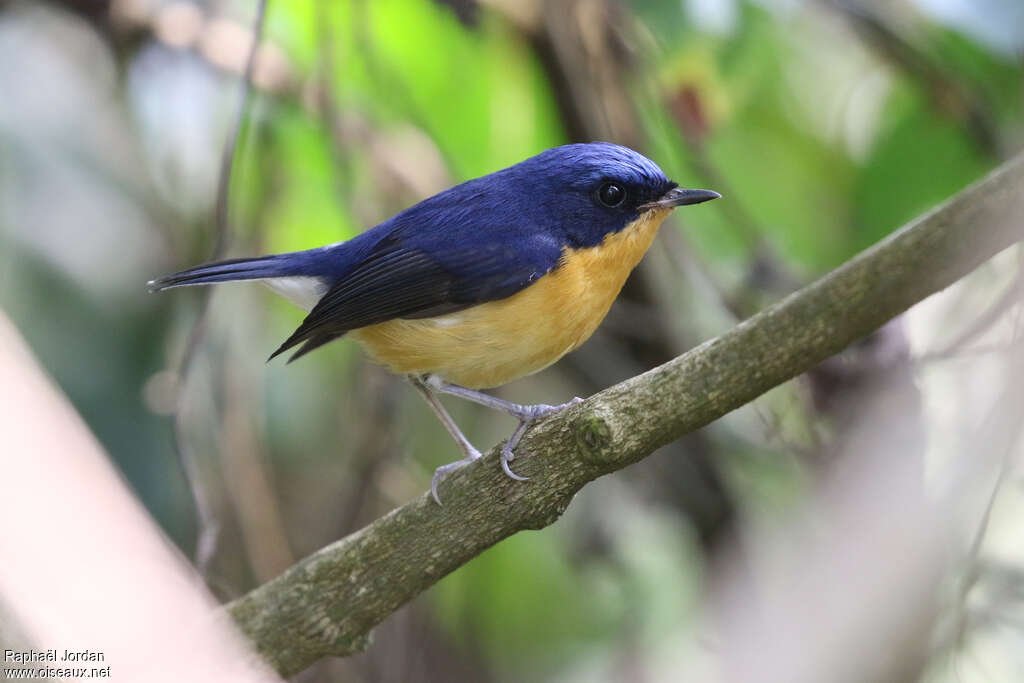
(328, 603)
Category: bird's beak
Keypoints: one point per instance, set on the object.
(681, 197)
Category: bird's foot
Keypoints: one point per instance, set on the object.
(527, 415)
(444, 470)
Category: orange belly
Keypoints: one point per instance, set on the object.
(500, 341)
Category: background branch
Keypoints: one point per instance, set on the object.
(206, 517)
(328, 603)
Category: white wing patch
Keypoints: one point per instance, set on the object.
(303, 291)
(447, 320)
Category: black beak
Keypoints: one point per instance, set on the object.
(681, 197)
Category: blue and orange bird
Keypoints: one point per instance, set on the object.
(484, 283)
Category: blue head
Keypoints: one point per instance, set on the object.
(586, 191)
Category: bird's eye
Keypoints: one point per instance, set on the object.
(611, 194)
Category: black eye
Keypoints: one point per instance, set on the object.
(611, 194)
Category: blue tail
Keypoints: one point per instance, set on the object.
(275, 265)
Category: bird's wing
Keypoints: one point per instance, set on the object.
(406, 278)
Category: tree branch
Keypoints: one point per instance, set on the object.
(328, 603)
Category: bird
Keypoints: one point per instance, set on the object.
(488, 281)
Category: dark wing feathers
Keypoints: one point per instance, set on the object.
(314, 342)
(397, 279)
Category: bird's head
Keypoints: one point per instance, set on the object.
(599, 188)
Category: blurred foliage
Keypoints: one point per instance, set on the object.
(110, 137)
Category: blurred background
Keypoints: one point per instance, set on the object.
(826, 125)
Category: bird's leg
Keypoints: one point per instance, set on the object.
(467, 448)
(526, 414)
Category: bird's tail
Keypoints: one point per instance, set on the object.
(227, 271)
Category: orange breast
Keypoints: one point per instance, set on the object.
(499, 341)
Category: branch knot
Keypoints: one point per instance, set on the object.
(594, 437)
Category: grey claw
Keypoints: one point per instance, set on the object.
(444, 470)
(506, 458)
(434, 481)
(508, 450)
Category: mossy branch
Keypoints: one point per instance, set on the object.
(328, 603)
